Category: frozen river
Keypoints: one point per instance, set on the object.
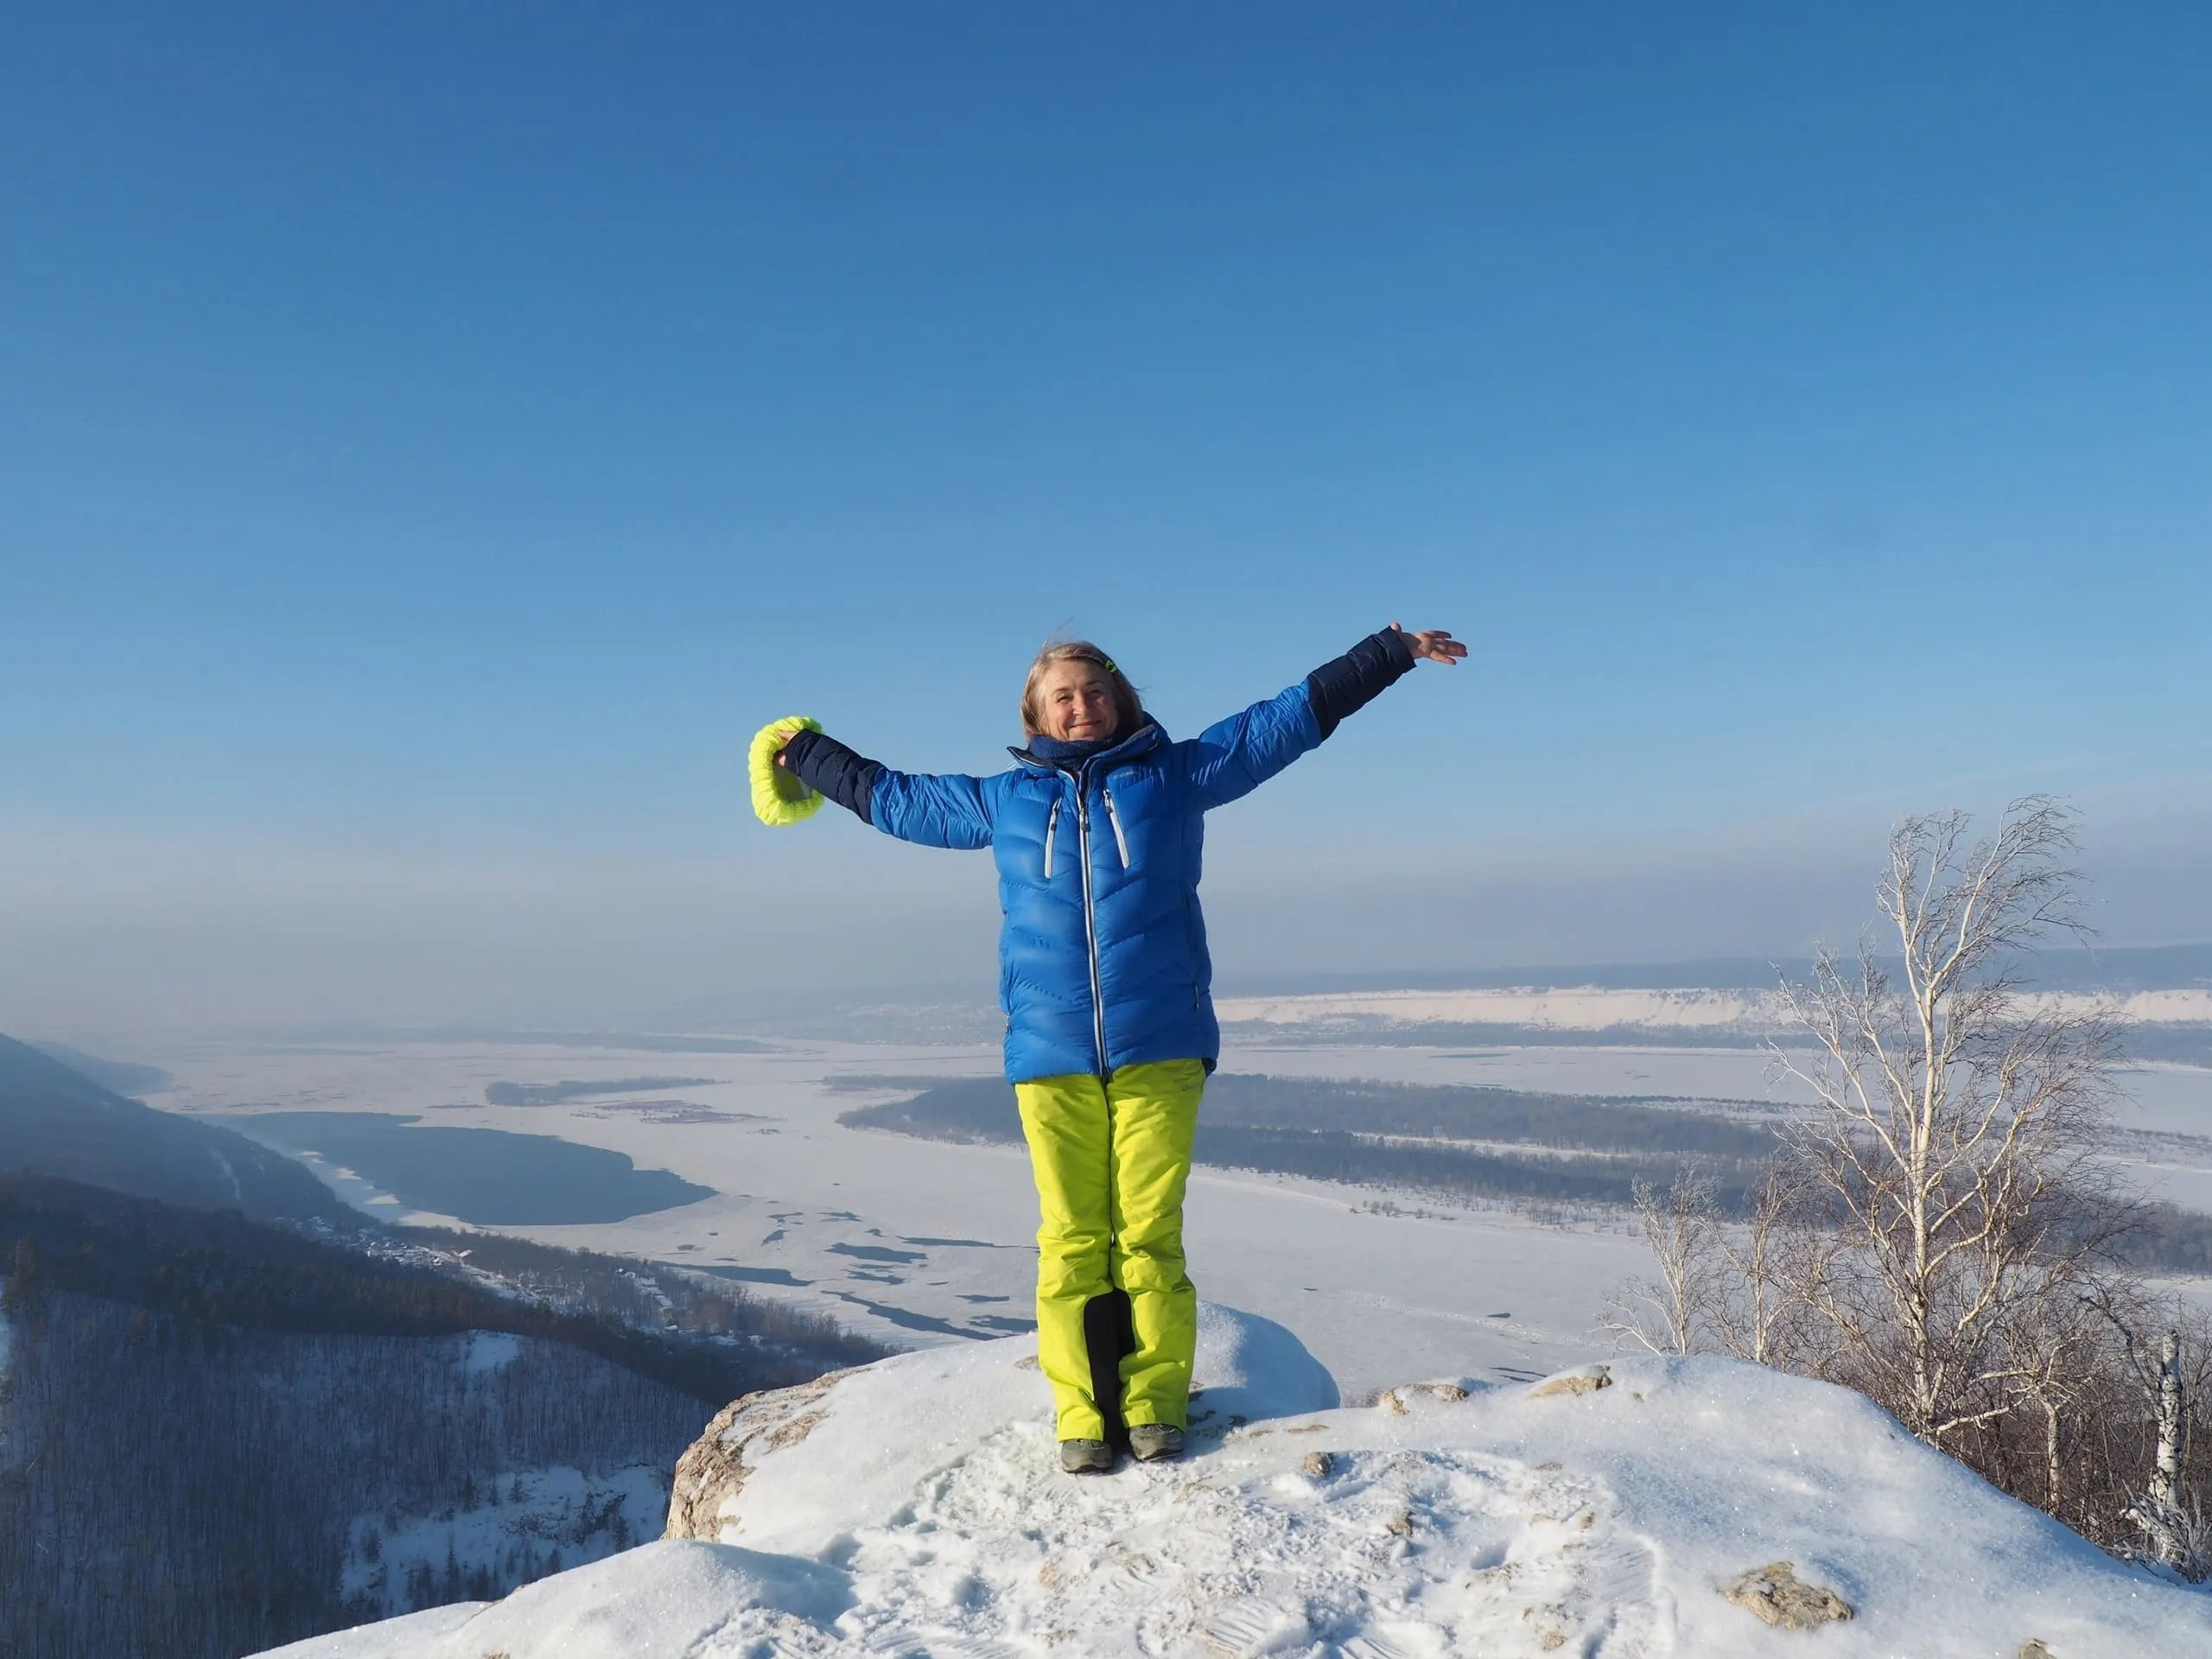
(921, 1242)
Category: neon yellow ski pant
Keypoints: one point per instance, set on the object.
(1111, 1158)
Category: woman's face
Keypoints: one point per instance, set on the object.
(1075, 701)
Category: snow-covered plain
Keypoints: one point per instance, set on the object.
(916, 1242)
(1594, 1007)
(917, 1508)
(1577, 1008)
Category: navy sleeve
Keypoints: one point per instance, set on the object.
(1357, 678)
(822, 762)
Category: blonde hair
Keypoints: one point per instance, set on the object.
(1128, 710)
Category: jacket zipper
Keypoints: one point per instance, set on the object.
(1113, 818)
(1052, 823)
(1090, 924)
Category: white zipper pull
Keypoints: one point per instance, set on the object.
(1111, 818)
(1051, 824)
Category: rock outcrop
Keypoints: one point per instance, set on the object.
(917, 1506)
(1778, 1596)
(890, 1426)
(711, 1473)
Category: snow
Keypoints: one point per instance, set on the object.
(392, 1638)
(491, 1351)
(530, 1521)
(899, 1424)
(923, 1512)
(1592, 1008)
(1578, 1008)
(2190, 1008)
(664, 1601)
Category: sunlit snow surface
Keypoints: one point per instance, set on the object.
(925, 1515)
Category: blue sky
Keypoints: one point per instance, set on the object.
(431, 439)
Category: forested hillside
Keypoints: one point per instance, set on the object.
(56, 1121)
(216, 1435)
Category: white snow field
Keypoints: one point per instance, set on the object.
(1592, 1008)
(915, 1507)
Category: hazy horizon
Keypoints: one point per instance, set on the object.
(489, 948)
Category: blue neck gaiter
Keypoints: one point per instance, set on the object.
(1057, 752)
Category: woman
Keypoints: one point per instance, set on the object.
(1103, 976)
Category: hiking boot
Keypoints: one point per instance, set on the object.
(1150, 1442)
(1086, 1457)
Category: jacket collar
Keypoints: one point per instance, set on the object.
(1142, 740)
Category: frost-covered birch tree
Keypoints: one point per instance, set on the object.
(1954, 1147)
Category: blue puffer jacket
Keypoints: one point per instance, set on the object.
(1103, 963)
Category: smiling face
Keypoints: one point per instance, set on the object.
(1075, 701)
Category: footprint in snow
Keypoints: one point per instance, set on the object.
(1385, 1553)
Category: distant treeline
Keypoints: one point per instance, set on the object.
(2188, 1045)
(1451, 1172)
(1357, 1131)
(653, 1296)
(1373, 1031)
(1582, 1149)
(2168, 1239)
(982, 1110)
(1567, 1123)
(2182, 1045)
(553, 1094)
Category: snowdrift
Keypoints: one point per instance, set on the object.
(1696, 1508)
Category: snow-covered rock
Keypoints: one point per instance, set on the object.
(921, 1510)
(754, 1477)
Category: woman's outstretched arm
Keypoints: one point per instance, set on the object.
(822, 763)
(1352, 681)
(945, 809)
(1242, 752)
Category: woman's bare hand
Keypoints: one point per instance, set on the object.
(1437, 645)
